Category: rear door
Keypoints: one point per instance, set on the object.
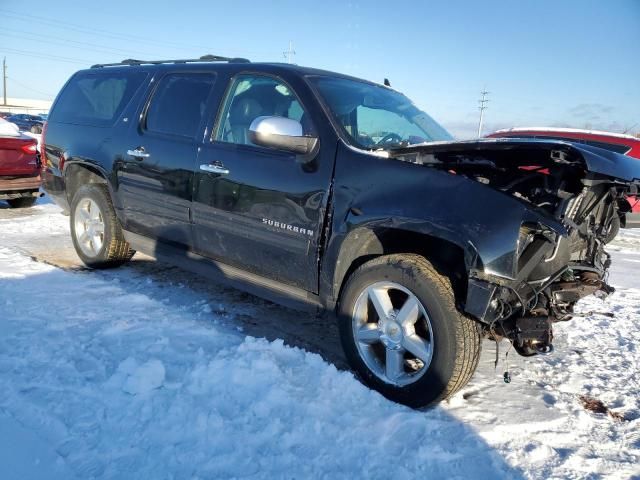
(263, 210)
(156, 173)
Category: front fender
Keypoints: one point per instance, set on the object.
(372, 193)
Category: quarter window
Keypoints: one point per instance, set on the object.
(96, 99)
(253, 96)
(179, 103)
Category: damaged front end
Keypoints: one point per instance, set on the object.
(571, 196)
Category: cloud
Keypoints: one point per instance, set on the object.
(592, 116)
(464, 130)
(591, 112)
(607, 126)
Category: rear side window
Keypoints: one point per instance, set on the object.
(179, 103)
(96, 99)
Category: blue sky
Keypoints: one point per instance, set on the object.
(566, 63)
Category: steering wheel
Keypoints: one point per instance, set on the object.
(390, 138)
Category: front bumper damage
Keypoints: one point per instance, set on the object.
(554, 269)
(524, 312)
(527, 270)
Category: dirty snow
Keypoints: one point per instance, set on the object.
(149, 372)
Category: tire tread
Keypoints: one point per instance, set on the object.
(117, 250)
(467, 330)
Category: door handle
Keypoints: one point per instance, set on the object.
(138, 153)
(215, 167)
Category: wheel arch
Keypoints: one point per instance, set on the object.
(366, 243)
(77, 173)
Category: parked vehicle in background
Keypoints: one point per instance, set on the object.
(323, 191)
(27, 122)
(5, 114)
(615, 142)
(20, 178)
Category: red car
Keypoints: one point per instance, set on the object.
(19, 168)
(616, 142)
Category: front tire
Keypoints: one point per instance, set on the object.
(401, 331)
(95, 230)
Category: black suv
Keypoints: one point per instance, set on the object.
(322, 191)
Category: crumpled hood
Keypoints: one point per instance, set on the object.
(596, 160)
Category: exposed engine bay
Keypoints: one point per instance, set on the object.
(560, 259)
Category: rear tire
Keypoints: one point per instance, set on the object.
(36, 129)
(443, 344)
(95, 230)
(22, 202)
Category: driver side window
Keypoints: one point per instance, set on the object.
(253, 96)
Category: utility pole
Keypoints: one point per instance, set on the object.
(483, 106)
(289, 52)
(4, 79)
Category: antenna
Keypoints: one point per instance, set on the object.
(289, 52)
(482, 108)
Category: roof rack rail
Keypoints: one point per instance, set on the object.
(204, 58)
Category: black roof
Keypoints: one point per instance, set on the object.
(202, 59)
(215, 62)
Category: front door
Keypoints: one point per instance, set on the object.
(156, 175)
(258, 208)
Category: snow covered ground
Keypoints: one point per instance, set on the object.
(149, 372)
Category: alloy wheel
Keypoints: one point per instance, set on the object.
(89, 227)
(393, 333)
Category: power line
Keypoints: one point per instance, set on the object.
(54, 39)
(30, 88)
(69, 27)
(30, 53)
(482, 108)
(92, 31)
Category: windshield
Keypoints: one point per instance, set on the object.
(376, 117)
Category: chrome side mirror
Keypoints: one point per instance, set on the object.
(281, 133)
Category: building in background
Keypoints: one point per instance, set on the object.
(25, 105)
